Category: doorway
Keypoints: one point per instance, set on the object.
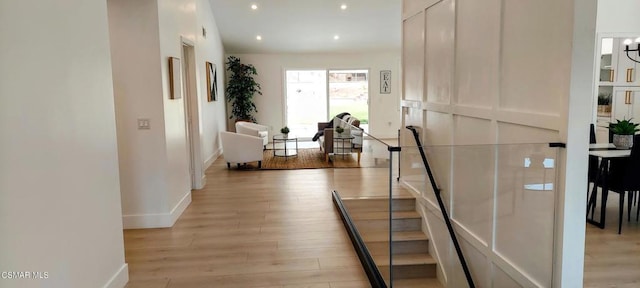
(195, 164)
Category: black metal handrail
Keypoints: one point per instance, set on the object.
(369, 266)
(445, 215)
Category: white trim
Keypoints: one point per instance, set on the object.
(187, 41)
(177, 211)
(159, 220)
(210, 160)
(119, 279)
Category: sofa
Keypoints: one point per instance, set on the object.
(351, 126)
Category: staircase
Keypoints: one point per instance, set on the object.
(413, 266)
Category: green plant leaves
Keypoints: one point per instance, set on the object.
(241, 89)
(624, 127)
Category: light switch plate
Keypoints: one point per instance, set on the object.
(144, 123)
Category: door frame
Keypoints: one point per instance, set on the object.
(191, 113)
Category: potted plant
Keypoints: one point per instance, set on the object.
(604, 101)
(339, 130)
(623, 131)
(241, 89)
(285, 131)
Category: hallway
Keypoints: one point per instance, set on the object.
(250, 229)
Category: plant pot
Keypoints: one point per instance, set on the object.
(622, 141)
(285, 135)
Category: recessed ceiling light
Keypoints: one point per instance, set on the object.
(258, 37)
(254, 6)
(343, 6)
(336, 37)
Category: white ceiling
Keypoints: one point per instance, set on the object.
(308, 26)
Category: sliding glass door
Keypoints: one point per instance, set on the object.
(314, 96)
(306, 101)
(349, 92)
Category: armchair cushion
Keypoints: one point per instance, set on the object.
(240, 148)
(253, 129)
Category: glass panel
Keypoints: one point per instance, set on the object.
(500, 198)
(349, 92)
(365, 191)
(525, 200)
(306, 88)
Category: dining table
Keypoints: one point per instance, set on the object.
(606, 153)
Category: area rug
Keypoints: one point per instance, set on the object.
(311, 158)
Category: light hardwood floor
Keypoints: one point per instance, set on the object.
(280, 229)
(612, 259)
(250, 229)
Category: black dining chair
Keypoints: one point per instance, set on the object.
(593, 160)
(623, 179)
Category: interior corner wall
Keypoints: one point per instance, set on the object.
(135, 51)
(59, 184)
(177, 18)
(384, 109)
(212, 114)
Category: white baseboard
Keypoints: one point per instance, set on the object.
(212, 159)
(203, 181)
(120, 279)
(161, 220)
(177, 211)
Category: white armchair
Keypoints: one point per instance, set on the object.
(253, 129)
(240, 148)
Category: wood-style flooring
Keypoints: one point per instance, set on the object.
(280, 229)
(250, 229)
(612, 259)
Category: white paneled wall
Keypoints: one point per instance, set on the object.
(489, 77)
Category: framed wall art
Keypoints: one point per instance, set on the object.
(175, 89)
(212, 82)
(385, 82)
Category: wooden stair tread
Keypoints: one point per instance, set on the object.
(365, 198)
(383, 236)
(382, 215)
(417, 283)
(405, 259)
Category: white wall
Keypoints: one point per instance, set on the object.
(485, 82)
(137, 88)
(176, 19)
(59, 185)
(618, 16)
(384, 108)
(213, 114)
(155, 162)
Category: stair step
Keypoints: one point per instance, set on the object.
(403, 242)
(400, 224)
(405, 259)
(417, 283)
(371, 204)
(383, 236)
(383, 215)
